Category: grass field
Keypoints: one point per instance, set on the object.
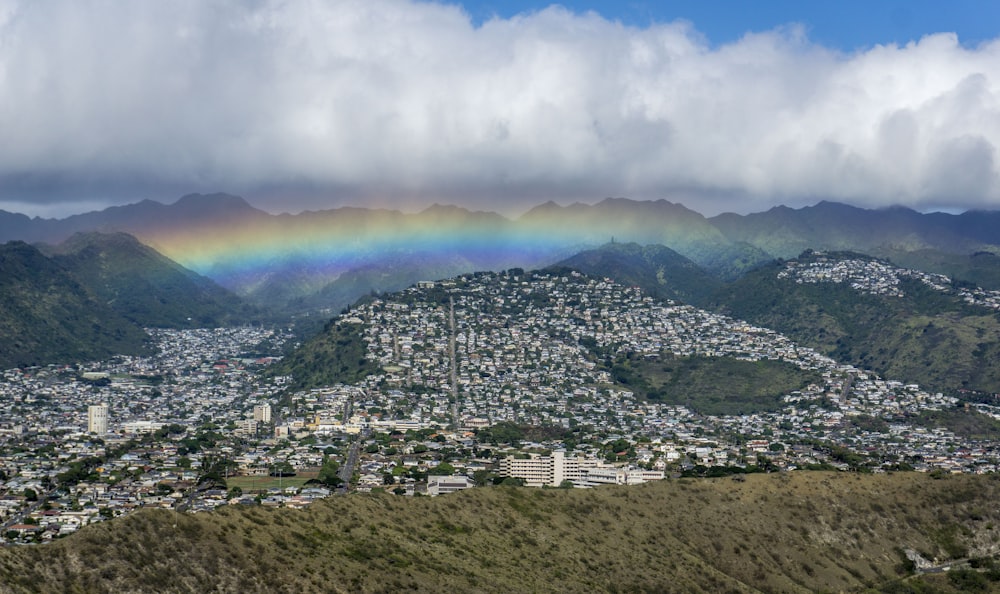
(263, 483)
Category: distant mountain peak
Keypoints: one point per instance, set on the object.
(215, 202)
(437, 208)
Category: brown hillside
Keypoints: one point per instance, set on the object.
(798, 532)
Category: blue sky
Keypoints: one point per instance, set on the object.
(847, 25)
(721, 106)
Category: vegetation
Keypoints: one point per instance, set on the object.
(47, 316)
(798, 532)
(508, 433)
(960, 421)
(981, 268)
(336, 355)
(926, 337)
(712, 385)
(146, 287)
(658, 270)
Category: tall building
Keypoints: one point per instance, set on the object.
(97, 418)
(262, 413)
(545, 470)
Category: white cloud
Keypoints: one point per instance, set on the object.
(392, 101)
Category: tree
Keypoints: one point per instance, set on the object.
(442, 469)
(328, 474)
(30, 495)
(283, 469)
(482, 477)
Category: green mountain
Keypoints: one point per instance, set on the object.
(980, 268)
(645, 222)
(146, 287)
(786, 232)
(297, 259)
(48, 316)
(658, 270)
(924, 336)
(799, 532)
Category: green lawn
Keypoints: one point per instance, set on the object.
(262, 483)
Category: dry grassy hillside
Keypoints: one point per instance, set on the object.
(798, 532)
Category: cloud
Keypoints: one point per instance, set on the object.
(316, 103)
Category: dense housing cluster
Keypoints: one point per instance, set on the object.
(457, 363)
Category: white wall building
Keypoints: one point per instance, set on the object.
(97, 418)
(440, 485)
(262, 413)
(538, 471)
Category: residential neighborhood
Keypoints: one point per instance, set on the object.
(484, 379)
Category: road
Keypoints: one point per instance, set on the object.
(350, 463)
(19, 516)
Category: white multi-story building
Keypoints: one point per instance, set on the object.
(538, 471)
(262, 413)
(97, 418)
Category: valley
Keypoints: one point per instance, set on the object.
(621, 365)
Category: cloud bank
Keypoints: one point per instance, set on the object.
(313, 104)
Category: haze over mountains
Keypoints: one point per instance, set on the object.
(324, 261)
(329, 258)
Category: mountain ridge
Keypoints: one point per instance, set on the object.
(91, 297)
(146, 286)
(47, 316)
(253, 253)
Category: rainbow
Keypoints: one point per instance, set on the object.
(242, 252)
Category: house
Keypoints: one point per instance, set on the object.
(440, 485)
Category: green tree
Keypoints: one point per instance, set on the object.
(442, 469)
(482, 477)
(328, 473)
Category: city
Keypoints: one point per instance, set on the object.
(462, 367)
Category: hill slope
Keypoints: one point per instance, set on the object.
(924, 336)
(145, 286)
(800, 532)
(658, 270)
(47, 316)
